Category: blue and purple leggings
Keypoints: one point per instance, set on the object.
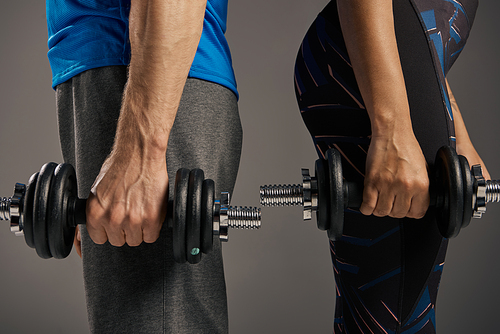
(387, 270)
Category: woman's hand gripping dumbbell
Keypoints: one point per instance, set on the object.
(457, 192)
(47, 211)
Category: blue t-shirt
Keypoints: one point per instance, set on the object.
(85, 34)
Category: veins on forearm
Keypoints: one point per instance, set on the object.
(164, 36)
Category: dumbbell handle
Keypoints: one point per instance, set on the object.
(77, 211)
(296, 195)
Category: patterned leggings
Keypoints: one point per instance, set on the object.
(387, 270)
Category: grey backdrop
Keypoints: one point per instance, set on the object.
(279, 278)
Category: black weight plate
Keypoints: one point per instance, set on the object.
(207, 215)
(322, 213)
(28, 211)
(449, 187)
(193, 217)
(336, 194)
(468, 190)
(41, 208)
(179, 218)
(60, 231)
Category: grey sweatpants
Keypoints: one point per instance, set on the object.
(141, 289)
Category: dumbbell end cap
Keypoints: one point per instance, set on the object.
(14, 207)
(479, 191)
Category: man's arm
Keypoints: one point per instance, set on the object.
(396, 180)
(127, 203)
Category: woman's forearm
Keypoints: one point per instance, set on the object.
(368, 29)
(464, 143)
(396, 180)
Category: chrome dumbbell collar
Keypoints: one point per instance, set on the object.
(479, 200)
(12, 209)
(310, 194)
(220, 217)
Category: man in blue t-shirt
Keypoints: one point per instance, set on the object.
(142, 88)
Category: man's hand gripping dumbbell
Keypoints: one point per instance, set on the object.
(47, 211)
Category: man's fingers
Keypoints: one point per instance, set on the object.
(77, 242)
(98, 235)
(150, 235)
(134, 235)
(117, 238)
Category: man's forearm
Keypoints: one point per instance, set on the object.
(164, 37)
(127, 203)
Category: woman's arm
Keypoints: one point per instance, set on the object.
(396, 180)
(464, 144)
